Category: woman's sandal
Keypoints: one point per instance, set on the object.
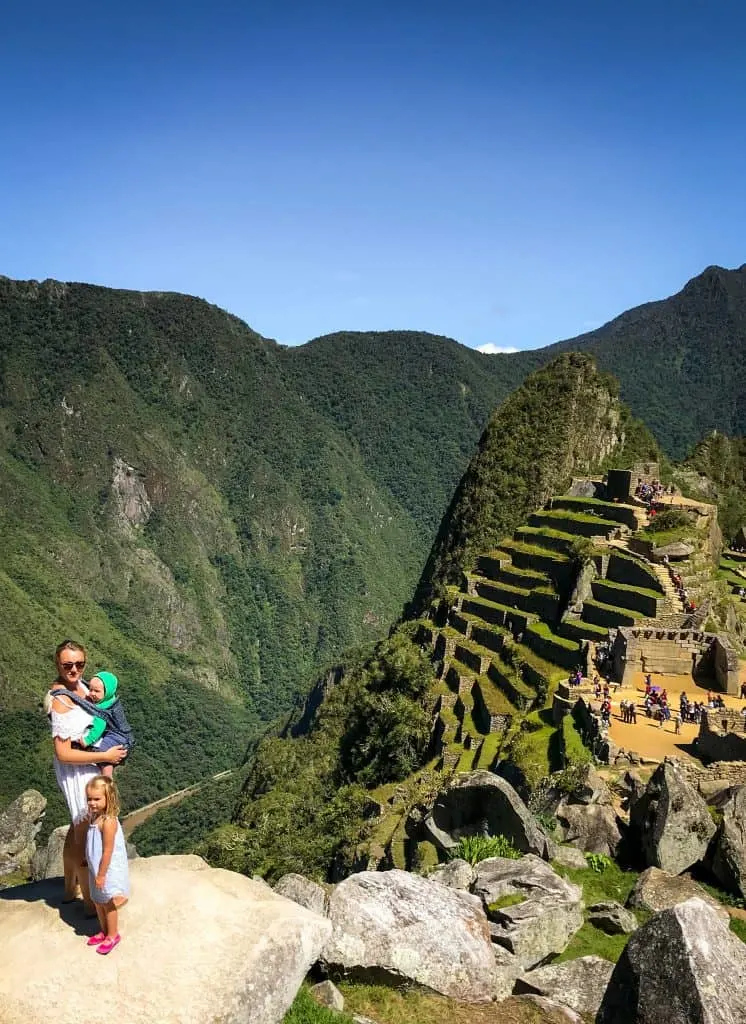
(96, 940)
(108, 944)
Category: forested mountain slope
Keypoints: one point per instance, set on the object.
(166, 497)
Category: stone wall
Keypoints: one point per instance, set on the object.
(722, 736)
(715, 777)
(662, 651)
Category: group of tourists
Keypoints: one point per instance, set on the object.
(652, 492)
(689, 605)
(628, 710)
(576, 677)
(91, 735)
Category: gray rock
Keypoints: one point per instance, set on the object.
(302, 890)
(729, 857)
(358, 1019)
(593, 828)
(457, 873)
(544, 922)
(408, 927)
(682, 966)
(612, 918)
(580, 983)
(570, 857)
(201, 946)
(632, 786)
(675, 552)
(475, 801)
(633, 757)
(671, 820)
(19, 825)
(327, 994)
(590, 788)
(657, 890)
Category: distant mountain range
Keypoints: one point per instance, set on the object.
(220, 517)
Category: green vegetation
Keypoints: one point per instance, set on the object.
(575, 754)
(304, 800)
(476, 848)
(603, 879)
(556, 424)
(305, 1010)
(669, 519)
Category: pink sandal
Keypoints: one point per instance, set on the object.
(96, 940)
(108, 944)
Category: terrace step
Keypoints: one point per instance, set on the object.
(576, 629)
(500, 570)
(609, 615)
(635, 599)
(554, 540)
(552, 647)
(493, 613)
(631, 516)
(577, 523)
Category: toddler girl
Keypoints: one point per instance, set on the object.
(106, 854)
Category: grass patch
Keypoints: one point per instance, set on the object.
(611, 884)
(475, 848)
(305, 1010)
(542, 629)
(591, 941)
(510, 900)
(413, 1005)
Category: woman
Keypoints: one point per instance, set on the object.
(74, 768)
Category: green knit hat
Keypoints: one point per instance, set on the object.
(111, 683)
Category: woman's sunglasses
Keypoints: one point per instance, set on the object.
(79, 665)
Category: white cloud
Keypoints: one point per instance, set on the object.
(491, 349)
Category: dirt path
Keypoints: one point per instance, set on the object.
(134, 818)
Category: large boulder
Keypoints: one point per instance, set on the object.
(657, 890)
(612, 918)
(199, 946)
(672, 821)
(592, 828)
(682, 966)
(477, 802)
(544, 921)
(579, 983)
(302, 890)
(19, 824)
(589, 787)
(406, 927)
(729, 857)
(457, 874)
(47, 861)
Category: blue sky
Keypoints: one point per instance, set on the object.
(506, 174)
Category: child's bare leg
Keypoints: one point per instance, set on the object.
(80, 834)
(107, 770)
(101, 917)
(111, 918)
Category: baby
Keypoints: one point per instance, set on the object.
(110, 727)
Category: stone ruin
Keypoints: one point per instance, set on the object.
(658, 650)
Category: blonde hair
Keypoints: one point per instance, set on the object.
(68, 645)
(112, 808)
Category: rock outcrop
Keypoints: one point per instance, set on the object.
(544, 921)
(19, 825)
(302, 890)
(199, 946)
(457, 874)
(580, 983)
(657, 890)
(482, 801)
(406, 927)
(682, 966)
(672, 821)
(729, 857)
(612, 918)
(592, 828)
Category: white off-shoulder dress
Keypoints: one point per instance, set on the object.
(73, 778)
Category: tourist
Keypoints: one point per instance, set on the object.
(677, 724)
(633, 712)
(74, 768)
(106, 852)
(743, 690)
(623, 709)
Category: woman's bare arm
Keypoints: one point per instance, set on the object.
(66, 753)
